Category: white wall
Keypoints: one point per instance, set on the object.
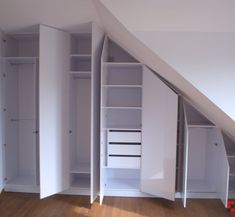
(205, 59)
(180, 15)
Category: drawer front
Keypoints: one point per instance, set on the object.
(124, 162)
(125, 137)
(124, 149)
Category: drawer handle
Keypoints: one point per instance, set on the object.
(119, 155)
(124, 143)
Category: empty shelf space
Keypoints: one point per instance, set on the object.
(81, 168)
(200, 186)
(22, 180)
(78, 63)
(232, 170)
(81, 182)
(123, 75)
(123, 184)
(122, 86)
(81, 43)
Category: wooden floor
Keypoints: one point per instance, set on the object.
(29, 205)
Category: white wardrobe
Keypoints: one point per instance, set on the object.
(138, 128)
(50, 91)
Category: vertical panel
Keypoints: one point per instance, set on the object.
(53, 110)
(102, 125)
(185, 161)
(222, 170)
(2, 128)
(159, 129)
(97, 42)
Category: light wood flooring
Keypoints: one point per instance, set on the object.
(29, 205)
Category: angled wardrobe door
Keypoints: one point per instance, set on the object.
(159, 129)
(222, 170)
(97, 43)
(185, 161)
(53, 111)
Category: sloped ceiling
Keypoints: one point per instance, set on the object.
(200, 64)
(16, 15)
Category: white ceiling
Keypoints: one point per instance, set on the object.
(180, 15)
(64, 14)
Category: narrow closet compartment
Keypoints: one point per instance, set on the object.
(121, 111)
(21, 112)
(80, 109)
(202, 153)
(230, 150)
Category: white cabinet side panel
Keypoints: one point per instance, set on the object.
(185, 162)
(159, 129)
(2, 128)
(97, 42)
(53, 111)
(222, 170)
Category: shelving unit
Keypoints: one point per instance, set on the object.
(121, 109)
(20, 71)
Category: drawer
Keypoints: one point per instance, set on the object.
(124, 149)
(124, 162)
(123, 136)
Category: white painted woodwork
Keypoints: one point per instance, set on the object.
(124, 149)
(185, 161)
(96, 44)
(53, 119)
(128, 136)
(159, 129)
(223, 170)
(124, 162)
(2, 128)
(102, 124)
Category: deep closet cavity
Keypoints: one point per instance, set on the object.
(20, 83)
(80, 112)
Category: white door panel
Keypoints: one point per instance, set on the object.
(53, 110)
(159, 129)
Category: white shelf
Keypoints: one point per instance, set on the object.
(82, 56)
(22, 180)
(21, 60)
(81, 168)
(123, 107)
(81, 74)
(200, 126)
(121, 86)
(123, 184)
(122, 64)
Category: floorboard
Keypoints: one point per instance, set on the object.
(29, 205)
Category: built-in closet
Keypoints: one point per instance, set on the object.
(138, 118)
(205, 162)
(50, 82)
(19, 93)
